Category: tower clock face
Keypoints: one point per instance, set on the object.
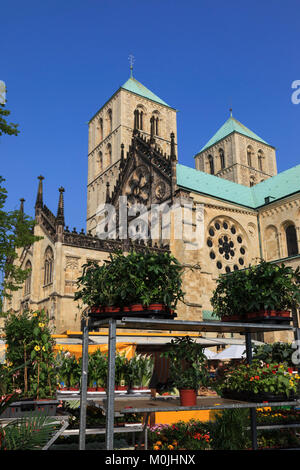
(138, 186)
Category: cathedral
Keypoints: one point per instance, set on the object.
(248, 211)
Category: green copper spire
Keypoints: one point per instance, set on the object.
(231, 125)
(136, 87)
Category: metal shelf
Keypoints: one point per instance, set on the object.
(130, 323)
(152, 405)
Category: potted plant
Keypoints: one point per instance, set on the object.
(100, 370)
(121, 372)
(135, 282)
(265, 292)
(69, 371)
(259, 382)
(187, 368)
(140, 371)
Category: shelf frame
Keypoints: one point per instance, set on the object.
(163, 325)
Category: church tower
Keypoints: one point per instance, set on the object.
(132, 106)
(237, 154)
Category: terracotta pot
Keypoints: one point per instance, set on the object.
(126, 309)
(92, 389)
(284, 313)
(100, 389)
(72, 389)
(111, 309)
(156, 307)
(121, 387)
(136, 308)
(188, 397)
(96, 309)
(232, 318)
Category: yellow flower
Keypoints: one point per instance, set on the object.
(43, 348)
(41, 325)
(34, 314)
(156, 447)
(37, 348)
(158, 443)
(170, 447)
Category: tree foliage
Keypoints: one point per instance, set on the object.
(5, 127)
(16, 231)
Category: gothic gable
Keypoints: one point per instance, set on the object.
(145, 175)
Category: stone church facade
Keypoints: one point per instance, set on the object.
(248, 211)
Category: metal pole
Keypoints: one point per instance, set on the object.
(84, 379)
(110, 408)
(297, 338)
(252, 410)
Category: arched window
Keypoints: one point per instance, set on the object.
(249, 155)
(48, 266)
(222, 159)
(154, 123)
(291, 240)
(260, 156)
(100, 161)
(109, 121)
(100, 129)
(27, 286)
(139, 119)
(211, 164)
(109, 154)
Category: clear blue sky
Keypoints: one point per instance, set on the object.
(61, 60)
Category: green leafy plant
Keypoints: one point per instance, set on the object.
(274, 352)
(229, 431)
(69, 369)
(187, 363)
(265, 286)
(28, 433)
(140, 371)
(30, 350)
(146, 278)
(98, 367)
(121, 370)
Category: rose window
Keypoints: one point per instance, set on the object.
(227, 245)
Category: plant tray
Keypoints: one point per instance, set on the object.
(257, 397)
(23, 408)
(277, 320)
(153, 314)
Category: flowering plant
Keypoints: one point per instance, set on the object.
(191, 436)
(260, 377)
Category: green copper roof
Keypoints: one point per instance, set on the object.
(136, 87)
(277, 187)
(231, 125)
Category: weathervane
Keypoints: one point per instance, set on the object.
(131, 61)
